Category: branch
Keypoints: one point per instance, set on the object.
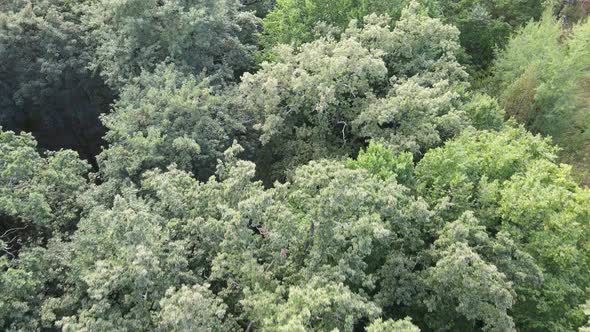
(13, 230)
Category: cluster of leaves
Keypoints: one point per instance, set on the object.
(168, 117)
(37, 191)
(129, 36)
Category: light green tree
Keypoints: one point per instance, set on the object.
(511, 182)
(124, 261)
(541, 80)
(196, 308)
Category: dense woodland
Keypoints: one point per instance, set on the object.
(294, 165)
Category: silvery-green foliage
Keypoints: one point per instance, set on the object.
(167, 117)
(193, 308)
(134, 35)
(38, 191)
(122, 255)
(401, 86)
(401, 325)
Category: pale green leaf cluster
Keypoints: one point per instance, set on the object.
(38, 191)
(389, 325)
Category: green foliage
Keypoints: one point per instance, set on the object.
(45, 33)
(167, 117)
(37, 191)
(400, 87)
(549, 214)
(485, 113)
(392, 326)
(19, 288)
(380, 162)
(260, 7)
(510, 181)
(484, 25)
(45, 87)
(292, 21)
(541, 78)
(452, 176)
(338, 245)
(448, 218)
(134, 35)
(193, 309)
(461, 279)
(122, 255)
(313, 307)
(586, 308)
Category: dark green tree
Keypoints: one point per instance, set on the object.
(46, 88)
(129, 36)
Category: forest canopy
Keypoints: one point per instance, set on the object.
(286, 165)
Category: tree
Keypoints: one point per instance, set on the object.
(545, 210)
(380, 162)
(484, 25)
(37, 192)
(38, 208)
(541, 77)
(132, 35)
(125, 260)
(510, 181)
(292, 21)
(19, 303)
(490, 268)
(461, 279)
(452, 177)
(189, 309)
(260, 7)
(316, 306)
(46, 88)
(329, 97)
(168, 117)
